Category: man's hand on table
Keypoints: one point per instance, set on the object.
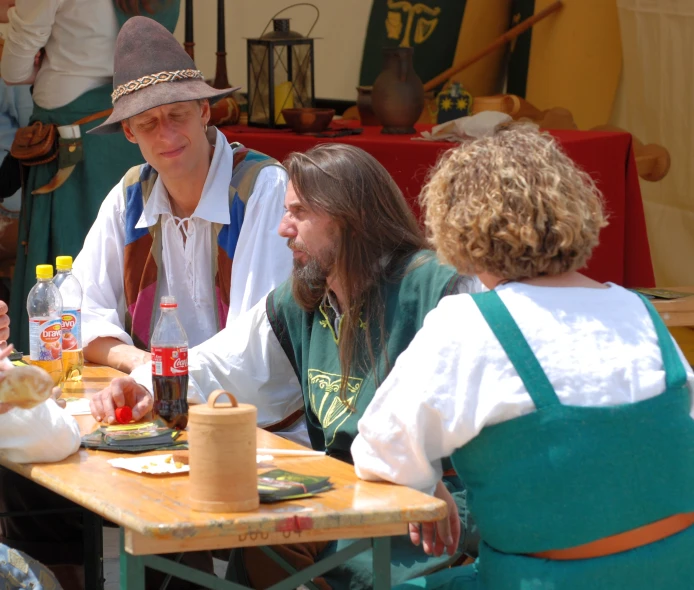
(436, 537)
(114, 353)
(124, 391)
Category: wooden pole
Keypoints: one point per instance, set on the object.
(508, 36)
(188, 43)
(220, 77)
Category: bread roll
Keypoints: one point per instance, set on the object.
(25, 387)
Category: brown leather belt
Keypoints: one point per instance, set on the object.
(638, 537)
(285, 422)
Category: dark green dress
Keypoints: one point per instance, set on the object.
(56, 223)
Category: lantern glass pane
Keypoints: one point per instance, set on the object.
(280, 75)
(259, 87)
(302, 75)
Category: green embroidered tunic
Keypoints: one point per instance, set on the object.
(310, 341)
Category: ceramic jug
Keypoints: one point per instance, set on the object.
(366, 113)
(397, 97)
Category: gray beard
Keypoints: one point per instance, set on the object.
(310, 273)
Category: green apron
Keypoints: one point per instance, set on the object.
(563, 476)
(56, 223)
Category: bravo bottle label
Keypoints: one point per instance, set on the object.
(72, 329)
(45, 339)
(169, 362)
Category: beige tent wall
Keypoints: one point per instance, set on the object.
(341, 31)
(655, 101)
(575, 60)
(340, 34)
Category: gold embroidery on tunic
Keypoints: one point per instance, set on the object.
(323, 393)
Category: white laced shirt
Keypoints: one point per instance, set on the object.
(262, 260)
(598, 347)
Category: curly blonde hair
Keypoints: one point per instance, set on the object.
(512, 204)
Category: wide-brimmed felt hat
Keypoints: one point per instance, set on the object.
(151, 69)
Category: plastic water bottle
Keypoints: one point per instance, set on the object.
(169, 347)
(45, 308)
(71, 292)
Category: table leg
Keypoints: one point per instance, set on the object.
(93, 551)
(132, 568)
(381, 556)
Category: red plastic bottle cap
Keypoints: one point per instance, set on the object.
(124, 415)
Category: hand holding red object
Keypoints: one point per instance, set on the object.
(124, 415)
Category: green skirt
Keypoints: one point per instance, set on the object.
(56, 223)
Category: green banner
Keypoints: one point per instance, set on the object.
(431, 27)
(519, 59)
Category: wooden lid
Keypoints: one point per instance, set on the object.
(222, 412)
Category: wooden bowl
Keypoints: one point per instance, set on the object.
(308, 120)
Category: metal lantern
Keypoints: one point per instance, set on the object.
(280, 74)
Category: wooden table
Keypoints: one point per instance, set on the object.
(155, 517)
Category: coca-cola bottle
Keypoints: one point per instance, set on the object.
(170, 366)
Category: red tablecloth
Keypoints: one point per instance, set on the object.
(623, 255)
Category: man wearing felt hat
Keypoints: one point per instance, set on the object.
(64, 51)
(198, 220)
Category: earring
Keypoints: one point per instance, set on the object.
(205, 129)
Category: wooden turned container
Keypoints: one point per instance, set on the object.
(222, 442)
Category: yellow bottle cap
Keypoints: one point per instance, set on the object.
(44, 271)
(63, 263)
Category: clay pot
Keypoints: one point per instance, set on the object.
(225, 112)
(397, 97)
(308, 120)
(366, 113)
(223, 466)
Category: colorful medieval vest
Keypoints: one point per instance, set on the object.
(143, 246)
(563, 476)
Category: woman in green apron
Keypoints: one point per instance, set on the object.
(78, 55)
(564, 403)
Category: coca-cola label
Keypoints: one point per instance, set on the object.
(169, 362)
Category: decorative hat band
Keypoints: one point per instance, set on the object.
(150, 80)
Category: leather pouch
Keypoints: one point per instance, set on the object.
(35, 144)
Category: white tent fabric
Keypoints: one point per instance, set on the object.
(655, 102)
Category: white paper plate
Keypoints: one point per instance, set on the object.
(78, 406)
(155, 464)
(161, 464)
